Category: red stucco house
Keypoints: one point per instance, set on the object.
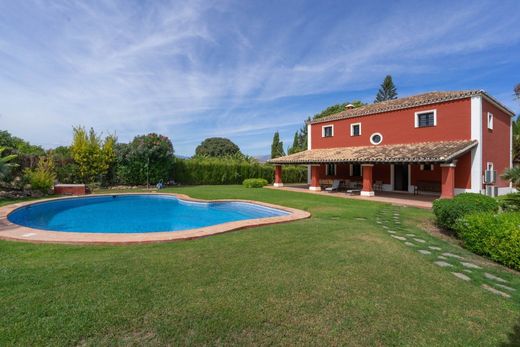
(441, 143)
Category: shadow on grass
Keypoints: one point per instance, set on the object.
(514, 337)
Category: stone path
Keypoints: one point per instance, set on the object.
(389, 219)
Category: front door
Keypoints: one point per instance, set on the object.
(401, 177)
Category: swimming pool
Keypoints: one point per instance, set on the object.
(135, 213)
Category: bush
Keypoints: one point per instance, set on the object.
(510, 202)
(204, 170)
(447, 212)
(491, 235)
(42, 178)
(255, 183)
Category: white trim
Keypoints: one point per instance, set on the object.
(410, 187)
(278, 184)
(352, 129)
(490, 121)
(416, 118)
(327, 126)
(316, 189)
(476, 152)
(458, 191)
(505, 190)
(378, 143)
(309, 147)
(363, 193)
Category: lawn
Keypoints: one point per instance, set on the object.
(335, 279)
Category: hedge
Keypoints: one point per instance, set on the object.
(227, 171)
(447, 212)
(255, 183)
(492, 235)
(510, 202)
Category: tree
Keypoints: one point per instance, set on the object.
(337, 108)
(387, 91)
(517, 91)
(513, 175)
(277, 147)
(516, 141)
(147, 159)
(217, 147)
(92, 154)
(5, 163)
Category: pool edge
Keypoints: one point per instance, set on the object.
(15, 232)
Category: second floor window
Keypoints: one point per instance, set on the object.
(425, 119)
(355, 129)
(327, 131)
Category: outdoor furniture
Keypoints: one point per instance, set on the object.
(335, 186)
(427, 186)
(378, 186)
(353, 191)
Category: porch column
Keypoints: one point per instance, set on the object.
(367, 180)
(448, 181)
(315, 178)
(278, 176)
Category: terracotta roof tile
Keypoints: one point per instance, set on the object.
(406, 102)
(424, 152)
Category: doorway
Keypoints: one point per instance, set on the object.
(401, 177)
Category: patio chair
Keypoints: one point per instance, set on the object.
(335, 186)
(378, 186)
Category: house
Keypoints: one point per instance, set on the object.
(434, 143)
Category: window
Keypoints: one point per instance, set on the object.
(376, 138)
(355, 129)
(355, 170)
(426, 119)
(490, 121)
(330, 170)
(426, 167)
(327, 131)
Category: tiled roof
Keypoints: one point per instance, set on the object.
(424, 152)
(406, 102)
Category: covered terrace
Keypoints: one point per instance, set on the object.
(427, 168)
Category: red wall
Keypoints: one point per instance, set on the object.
(453, 123)
(496, 142)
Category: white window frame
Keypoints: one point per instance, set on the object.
(490, 119)
(352, 129)
(327, 126)
(376, 143)
(426, 111)
(327, 169)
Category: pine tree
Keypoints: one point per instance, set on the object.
(517, 91)
(277, 147)
(387, 91)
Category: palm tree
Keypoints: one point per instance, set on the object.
(516, 141)
(5, 165)
(513, 175)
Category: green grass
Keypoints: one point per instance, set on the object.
(327, 280)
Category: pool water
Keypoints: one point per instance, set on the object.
(134, 214)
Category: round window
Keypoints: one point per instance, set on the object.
(376, 138)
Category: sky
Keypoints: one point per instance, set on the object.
(237, 69)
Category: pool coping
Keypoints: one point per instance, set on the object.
(11, 231)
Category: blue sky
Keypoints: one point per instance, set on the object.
(237, 69)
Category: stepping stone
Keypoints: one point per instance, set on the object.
(442, 264)
(435, 248)
(467, 270)
(495, 291)
(461, 276)
(425, 252)
(390, 231)
(360, 218)
(409, 244)
(452, 255)
(420, 240)
(378, 222)
(505, 287)
(384, 226)
(470, 265)
(441, 257)
(494, 278)
(411, 235)
(399, 237)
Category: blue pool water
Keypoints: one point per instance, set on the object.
(134, 214)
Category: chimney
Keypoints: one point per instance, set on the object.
(349, 107)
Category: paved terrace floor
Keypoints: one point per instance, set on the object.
(401, 199)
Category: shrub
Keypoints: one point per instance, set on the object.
(510, 202)
(491, 235)
(255, 183)
(447, 212)
(42, 178)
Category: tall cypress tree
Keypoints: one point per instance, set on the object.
(387, 91)
(277, 147)
(517, 91)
